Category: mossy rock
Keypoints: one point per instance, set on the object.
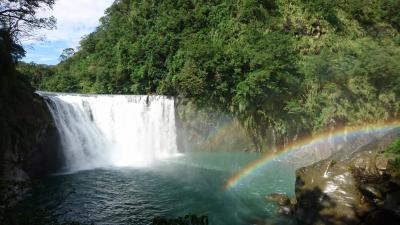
(186, 220)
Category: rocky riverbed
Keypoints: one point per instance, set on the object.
(353, 186)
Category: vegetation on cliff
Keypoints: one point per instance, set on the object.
(287, 66)
(394, 149)
(26, 124)
(18, 19)
(28, 134)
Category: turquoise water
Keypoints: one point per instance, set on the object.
(189, 184)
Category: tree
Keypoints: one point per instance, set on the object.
(10, 52)
(20, 17)
(283, 68)
(66, 54)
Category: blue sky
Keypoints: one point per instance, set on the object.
(75, 19)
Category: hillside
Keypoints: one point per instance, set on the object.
(283, 68)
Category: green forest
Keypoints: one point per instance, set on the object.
(272, 64)
(313, 85)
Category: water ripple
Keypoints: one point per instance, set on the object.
(119, 196)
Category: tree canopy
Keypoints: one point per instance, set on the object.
(281, 67)
(20, 17)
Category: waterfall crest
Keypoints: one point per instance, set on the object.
(117, 130)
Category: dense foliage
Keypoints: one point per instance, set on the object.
(20, 18)
(40, 76)
(394, 149)
(281, 67)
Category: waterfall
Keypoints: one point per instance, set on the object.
(116, 130)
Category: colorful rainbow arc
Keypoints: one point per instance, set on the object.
(291, 148)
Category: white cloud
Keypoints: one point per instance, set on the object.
(38, 58)
(75, 18)
(45, 59)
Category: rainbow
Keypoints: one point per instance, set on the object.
(320, 138)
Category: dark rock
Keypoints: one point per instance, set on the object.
(29, 142)
(285, 210)
(13, 192)
(347, 187)
(280, 199)
(382, 217)
(285, 205)
(371, 191)
(30, 146)
(186, 220)
(392, 201)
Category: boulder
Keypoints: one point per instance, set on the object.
(285, 205)
(285, 210)
(371, 190)
(382, 216)
(348, 187)
(280, 199)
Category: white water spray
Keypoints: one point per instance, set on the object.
(120, 130)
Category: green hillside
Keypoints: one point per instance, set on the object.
(273, 64)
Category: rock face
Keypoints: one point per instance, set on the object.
(310, 154)
(353, 186)
(204, 130)
(29, 138)
(29, 142)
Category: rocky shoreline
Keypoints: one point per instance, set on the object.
(353, 186)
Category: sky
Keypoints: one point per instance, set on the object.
(75, 19)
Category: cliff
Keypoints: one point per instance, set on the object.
(29, 137)
(29, 146)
